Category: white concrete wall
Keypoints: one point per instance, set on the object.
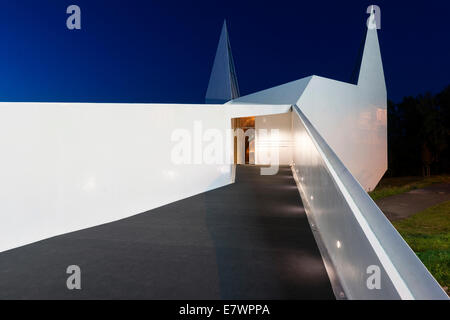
(267, 145)
(353, 121)
(68, 166)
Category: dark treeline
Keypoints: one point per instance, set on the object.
(419, 135)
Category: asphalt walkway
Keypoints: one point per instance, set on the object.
(248, 240)
(403, 205)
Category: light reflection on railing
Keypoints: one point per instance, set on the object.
(355, 233)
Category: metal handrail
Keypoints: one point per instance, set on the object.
(407, 274)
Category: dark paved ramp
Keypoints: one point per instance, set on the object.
(249, 240)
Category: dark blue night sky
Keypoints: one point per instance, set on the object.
(162, 51)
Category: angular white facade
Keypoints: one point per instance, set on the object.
(68, 166)
(351, 118)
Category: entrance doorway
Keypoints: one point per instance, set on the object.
(244, 140)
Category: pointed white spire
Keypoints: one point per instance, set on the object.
(223, 85)
(371, 70)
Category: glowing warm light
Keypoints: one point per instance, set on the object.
(382, 115)
(338, 244)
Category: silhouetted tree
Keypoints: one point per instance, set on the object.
(419, 135)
